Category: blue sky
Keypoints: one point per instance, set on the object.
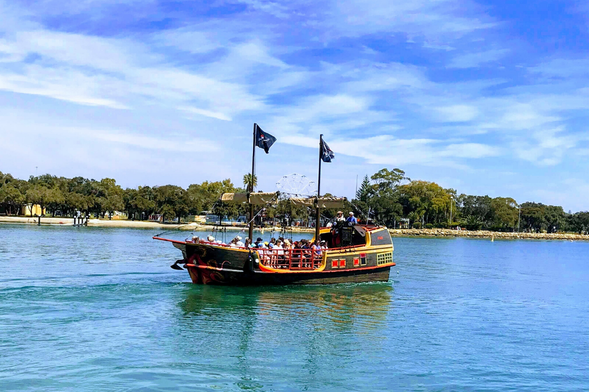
(487, 97)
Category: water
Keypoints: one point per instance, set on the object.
(89, 309)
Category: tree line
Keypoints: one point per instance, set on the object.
(391, 198)
(388, 197)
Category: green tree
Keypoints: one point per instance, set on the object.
(505, 213)
(12, 198)
(425, 202)
(248, 183)
(38, 194)
(170, 201)
(555, 218)
(475, 212)
(533, 216)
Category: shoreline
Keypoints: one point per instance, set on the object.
(193, 226)
(446, 233)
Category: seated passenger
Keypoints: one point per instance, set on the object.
(340, 217)
(316, 247)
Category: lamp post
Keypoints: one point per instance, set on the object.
(451, 202)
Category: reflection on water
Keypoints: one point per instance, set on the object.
(290, 328)
(367, 304)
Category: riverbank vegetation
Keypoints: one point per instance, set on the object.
(387, 197)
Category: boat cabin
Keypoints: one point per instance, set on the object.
(343, 235)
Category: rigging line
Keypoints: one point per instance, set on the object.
(176, 228)
(262, 209)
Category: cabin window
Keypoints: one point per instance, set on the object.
(356, 261)
(362, 258)
(384, 258)
(342, 263)
(334, 263)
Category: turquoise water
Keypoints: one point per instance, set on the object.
(89, 309)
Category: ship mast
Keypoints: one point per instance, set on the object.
(318, 217)
(251, 186)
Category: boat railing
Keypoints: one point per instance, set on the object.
(291, 259)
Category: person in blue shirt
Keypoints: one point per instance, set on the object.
(352, 218)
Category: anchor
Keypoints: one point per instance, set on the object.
(176, 266)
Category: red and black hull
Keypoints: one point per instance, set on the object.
(258, 278)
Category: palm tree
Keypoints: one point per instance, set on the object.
(247, 182)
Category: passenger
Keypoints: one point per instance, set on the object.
(258, 243)
(238, 242)
(210, 238)
(248, 243)
(317, 250)
(352, 219)
(340, 217)
(323, 245)
(278, 255)
(233, 244)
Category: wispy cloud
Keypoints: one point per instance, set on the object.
(473, 60)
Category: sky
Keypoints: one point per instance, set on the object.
(485, 97)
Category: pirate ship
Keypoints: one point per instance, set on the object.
(352, 252)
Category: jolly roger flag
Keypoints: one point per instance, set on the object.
(326, 154)
(264, 139)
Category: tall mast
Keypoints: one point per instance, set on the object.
(251, 186)
(318, 217)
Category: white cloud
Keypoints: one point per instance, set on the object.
(421, 17)
(457, 113)
(546, 147)
(207, 113)
(473, 60)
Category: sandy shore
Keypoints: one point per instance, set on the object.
(131, 224)
(394, 232)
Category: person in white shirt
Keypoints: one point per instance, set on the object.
(238, 242)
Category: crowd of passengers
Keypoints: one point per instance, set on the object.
(277, 244)
(278, 252)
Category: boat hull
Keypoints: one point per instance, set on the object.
(219, 264)
(226, 277)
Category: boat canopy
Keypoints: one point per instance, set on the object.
(324, 202)
(255, 198)
(264, 198)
